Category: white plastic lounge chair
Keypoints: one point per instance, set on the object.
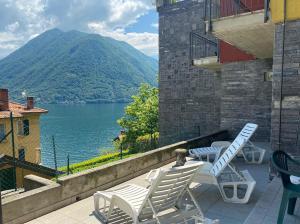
(230, 181)
(223, 174)
(143, 205)
(250, 152)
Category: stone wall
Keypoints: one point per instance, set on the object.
(246, 97)
(194, 101)
(189, 101)
(290, 114)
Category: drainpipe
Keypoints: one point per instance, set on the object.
(267, 10)
(282, 70)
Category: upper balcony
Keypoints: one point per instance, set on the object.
(204, 51)
(244, 24)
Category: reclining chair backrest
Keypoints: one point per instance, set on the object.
(168, 188)
(238, 143)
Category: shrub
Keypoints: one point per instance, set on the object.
(95, 162)
(147, 142)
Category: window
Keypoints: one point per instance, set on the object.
(23, 127)
(2, 131)
(22, 154)
(26, 127)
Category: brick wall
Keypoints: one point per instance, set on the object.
(246, 97)
(189, 96)
(195, 101)
(291, 88)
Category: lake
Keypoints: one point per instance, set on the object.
(82, 131)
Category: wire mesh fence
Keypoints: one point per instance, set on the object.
(67, 158)
(26, 150)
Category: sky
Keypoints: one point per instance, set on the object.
(132, 21)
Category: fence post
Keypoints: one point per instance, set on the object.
(68, 164)
(13, 149)
(54, 154)
(121, 151)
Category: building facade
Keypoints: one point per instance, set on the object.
(20, 152)
(26, 125)
(222, 64)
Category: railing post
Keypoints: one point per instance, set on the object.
(266, 10)
(191, 48)
(210, 16)
(205, 10)
(205, 51)
(218, 50)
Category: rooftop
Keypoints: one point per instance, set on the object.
(20, 110)
(262, 207)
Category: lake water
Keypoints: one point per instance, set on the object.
(82, 131)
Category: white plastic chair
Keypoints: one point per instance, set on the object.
(225, 175)
(250, 152)
(143, 205)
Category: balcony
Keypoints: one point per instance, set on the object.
(244, 24)
(204, 51)
(262, 208)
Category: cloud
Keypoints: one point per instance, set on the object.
(145, 42)
(22, 20)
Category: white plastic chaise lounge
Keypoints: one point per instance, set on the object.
(225, 175)
(251, 153)
(144, 205)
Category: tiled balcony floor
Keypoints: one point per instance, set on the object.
(267, 196)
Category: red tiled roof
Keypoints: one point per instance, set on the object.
(19, 110)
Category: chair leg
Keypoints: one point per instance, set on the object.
(283, 205)
(291, 207)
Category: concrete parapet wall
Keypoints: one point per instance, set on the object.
(52, 196)
(32, 182)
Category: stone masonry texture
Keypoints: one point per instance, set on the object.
(290, 112)
(189, 98)
(195, 101)
(246, 97)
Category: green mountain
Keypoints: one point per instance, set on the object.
(75, 67)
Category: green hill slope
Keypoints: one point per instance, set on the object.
(75, 67)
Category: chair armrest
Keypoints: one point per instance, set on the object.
(290, 173)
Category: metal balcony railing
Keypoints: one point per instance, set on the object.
(202, 47)
(223, 8)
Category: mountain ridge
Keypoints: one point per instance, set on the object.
(75, 67)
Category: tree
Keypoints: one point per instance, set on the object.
(141, 116)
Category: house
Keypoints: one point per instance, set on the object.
(24, 144)
(26, 125)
